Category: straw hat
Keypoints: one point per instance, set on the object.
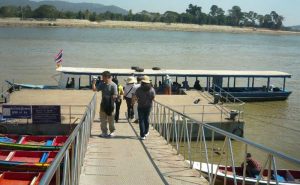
(146, 79)
(130, 80)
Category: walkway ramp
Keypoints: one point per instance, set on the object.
(124, 159)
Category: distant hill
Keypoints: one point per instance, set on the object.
(66, 6)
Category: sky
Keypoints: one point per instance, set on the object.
(290, 9)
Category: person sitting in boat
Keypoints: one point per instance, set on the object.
(185, 85)
(197, 85)
(71, 84)
(252, 166)
(99, 83)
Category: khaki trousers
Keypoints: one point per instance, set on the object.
(104, 119)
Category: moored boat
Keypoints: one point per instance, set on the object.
(22, 178)
(38, 143)
(81, 78)
(284, 176)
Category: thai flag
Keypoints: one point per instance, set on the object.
(58, 58)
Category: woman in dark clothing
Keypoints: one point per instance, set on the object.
(118, 99)
(144, 96)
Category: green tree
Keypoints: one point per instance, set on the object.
(236, 15)
(46, 11)
(93, 17)
(87, 14)
(8, 11)
(80, 15)
(27, 12)
(216, 15)
(170, 17)
(277, 20)
(186, 18)
(195, 12)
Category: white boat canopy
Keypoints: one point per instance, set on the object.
(175, 72)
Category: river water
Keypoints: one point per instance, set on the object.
(26, 55)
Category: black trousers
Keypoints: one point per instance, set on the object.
(130, 112)
(118, 105)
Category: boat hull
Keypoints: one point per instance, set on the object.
(284, 176)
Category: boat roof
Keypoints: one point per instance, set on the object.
(173, 72)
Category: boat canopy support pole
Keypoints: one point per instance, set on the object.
(252, 82)
(234, 81)
(268, 84)
(90, 77)
(207, 84)
(156, 81)
(248, 82)
(283, 88)
(176, 79)
(228, 83)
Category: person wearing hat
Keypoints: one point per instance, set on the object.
(252, 166)
(144, 96)
(167, 85)
(128, 92)
(107, 106)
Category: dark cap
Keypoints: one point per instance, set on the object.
(106, 74)
(248, 155)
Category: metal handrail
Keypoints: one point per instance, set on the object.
(228, 96)
(163, 119)
(73, 151)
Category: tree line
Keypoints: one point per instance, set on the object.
(193, 15)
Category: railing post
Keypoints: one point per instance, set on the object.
(206, 155)
(232, 161)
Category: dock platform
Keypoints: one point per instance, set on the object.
(124, 159)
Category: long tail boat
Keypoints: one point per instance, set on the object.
(36, 143)
(34, 161)
(22, 178)
(284, 176)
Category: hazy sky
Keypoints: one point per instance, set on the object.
(290, 9)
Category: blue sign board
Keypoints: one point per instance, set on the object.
(46, 114)
(16, 111)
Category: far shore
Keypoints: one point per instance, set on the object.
(16, 22)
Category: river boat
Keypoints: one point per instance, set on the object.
(22, 178)
(34, 161)
(37, 143)
(284, 176)
(216, 81)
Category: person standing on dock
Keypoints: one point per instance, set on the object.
(135, 106)
(144, 96)
(107, 106)
(118, 99)
(167, 85)
(128, 92)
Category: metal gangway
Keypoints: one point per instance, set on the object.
(176, 127)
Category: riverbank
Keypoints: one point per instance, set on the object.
(16, 22)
